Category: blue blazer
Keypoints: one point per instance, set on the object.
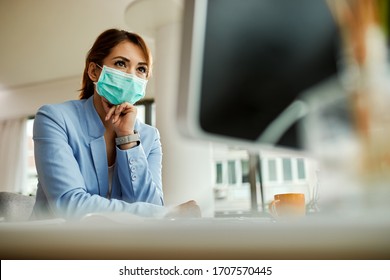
(71, 161)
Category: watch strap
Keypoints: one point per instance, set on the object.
(128, 139)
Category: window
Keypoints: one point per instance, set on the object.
(232, 178)
(245, 171)
(301, 168)
(287, 169)
(219, 174)
(147, 111)
(32, 177)
(272, 175)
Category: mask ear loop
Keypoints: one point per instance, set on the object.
(99, 67)
(95, 83)
(95, 69)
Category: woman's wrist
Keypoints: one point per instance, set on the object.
(128, 146)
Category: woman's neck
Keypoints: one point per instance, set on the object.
(101, 112)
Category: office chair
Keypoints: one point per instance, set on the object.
(15, 206)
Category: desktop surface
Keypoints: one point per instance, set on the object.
(201, 238)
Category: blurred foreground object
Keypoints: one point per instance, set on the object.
(367, 88)
(366, 61)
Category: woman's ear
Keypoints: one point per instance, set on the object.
(93, 71)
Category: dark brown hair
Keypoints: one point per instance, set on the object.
(102, 48)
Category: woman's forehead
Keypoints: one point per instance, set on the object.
(128, 50)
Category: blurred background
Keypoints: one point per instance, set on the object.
(43, 48)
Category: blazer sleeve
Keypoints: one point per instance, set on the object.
(60, 177)
(139, 171)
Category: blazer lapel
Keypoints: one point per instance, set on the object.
(98, 151)
(98, 145)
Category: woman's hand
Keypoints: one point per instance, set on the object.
(123, 118)
(189, 209)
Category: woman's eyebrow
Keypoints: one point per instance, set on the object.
(128, 60)
(122, 57)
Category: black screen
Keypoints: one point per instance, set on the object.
(259, 55)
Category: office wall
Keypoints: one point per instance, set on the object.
(25, 100)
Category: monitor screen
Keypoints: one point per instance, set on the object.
(245, 63)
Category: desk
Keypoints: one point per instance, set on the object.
(205, 238)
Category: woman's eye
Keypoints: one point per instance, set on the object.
(142, 69)
(120, 63)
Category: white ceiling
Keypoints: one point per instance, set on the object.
(47, 40)
(43, 44)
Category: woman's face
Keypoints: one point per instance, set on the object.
(129, 58)
(126, 57)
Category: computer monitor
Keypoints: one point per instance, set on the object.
(244, 64)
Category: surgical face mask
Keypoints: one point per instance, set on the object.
(119, 87)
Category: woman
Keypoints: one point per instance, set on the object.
(93, 154)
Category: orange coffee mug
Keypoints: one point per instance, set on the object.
(288, 205)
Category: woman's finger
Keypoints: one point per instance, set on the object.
(118, 109)
(116, 112)
(110, 113)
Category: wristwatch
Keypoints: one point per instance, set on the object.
(128, 139)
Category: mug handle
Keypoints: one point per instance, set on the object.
(272, 208)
